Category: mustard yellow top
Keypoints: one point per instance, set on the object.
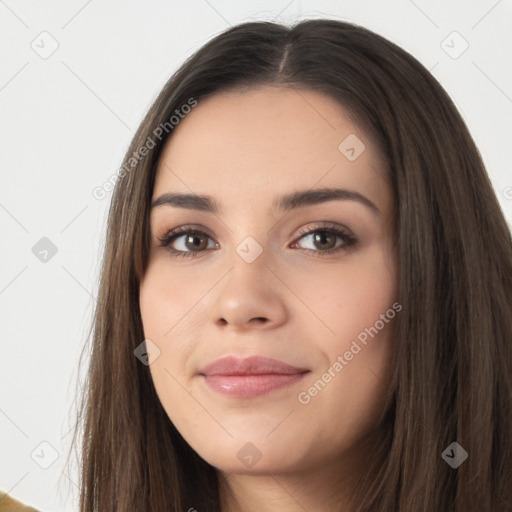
(9, 504)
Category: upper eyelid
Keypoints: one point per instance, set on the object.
(317, 225)
(324, 225)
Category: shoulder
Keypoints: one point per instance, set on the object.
(9, 504)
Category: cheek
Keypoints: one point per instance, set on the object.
(164, 303)
(161, 312)
(348, 298)
(167, 303)
(355, 305)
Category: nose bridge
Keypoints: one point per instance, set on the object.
(250, 236)
(250, 264)
(251, 251)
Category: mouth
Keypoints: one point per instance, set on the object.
(250, 377)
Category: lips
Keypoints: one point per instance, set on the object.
(250, 377)
(254, 365)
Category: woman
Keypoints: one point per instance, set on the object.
(306, 291)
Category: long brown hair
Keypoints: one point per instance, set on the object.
(452, 362)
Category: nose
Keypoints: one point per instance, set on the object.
(249, 297)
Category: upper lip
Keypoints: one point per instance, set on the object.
(254, 365)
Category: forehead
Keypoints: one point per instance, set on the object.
(261, 142)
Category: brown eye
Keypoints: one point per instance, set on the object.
(186, 242)
(195, 242)
(323, 240)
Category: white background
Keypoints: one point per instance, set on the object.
(65, 123)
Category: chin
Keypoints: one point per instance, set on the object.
(241, 456)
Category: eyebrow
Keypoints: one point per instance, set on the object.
(285, 203)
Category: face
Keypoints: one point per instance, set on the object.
(270, 312)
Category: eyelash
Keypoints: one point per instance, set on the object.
(349, 240)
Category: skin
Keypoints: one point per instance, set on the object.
(244, 148)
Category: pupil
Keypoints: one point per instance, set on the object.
(320, 237)
(195, 240)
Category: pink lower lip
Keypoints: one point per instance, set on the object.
(249, 386)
